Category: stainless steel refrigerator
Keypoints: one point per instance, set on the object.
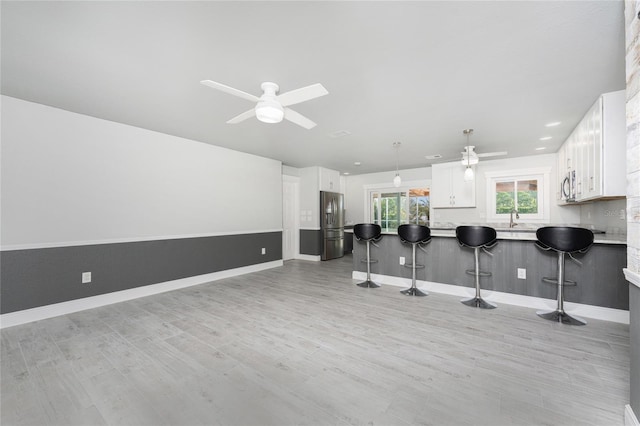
(332, 224)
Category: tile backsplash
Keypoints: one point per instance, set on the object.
(609, 216)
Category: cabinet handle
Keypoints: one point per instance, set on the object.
(579, 188)
(591, 186)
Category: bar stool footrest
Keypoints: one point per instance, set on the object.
(410, 265)
(368, 284)
(562, 317)
(478, 302)
(481, 273)
(555, 281)
(414, 291)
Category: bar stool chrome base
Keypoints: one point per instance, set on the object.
(414, 291)
(368, 284)
(560, 316)
(478, 302)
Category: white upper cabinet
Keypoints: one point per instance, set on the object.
(329, 180)
(595, 151)
(448, 187)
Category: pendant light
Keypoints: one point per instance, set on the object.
(397, 181)
(468, 173)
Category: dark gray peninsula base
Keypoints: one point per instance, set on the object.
(601, 281)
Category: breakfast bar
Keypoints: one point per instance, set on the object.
(600, 278)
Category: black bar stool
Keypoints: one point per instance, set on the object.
(477, 237)
(414, 235)
(563, 240)
(370, 233)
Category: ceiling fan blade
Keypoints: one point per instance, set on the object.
(298, 119)
(230, 90)
(303, 94)
(244, 116)
(492, 154)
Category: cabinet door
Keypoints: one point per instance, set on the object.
(579, 151)
(561, 173)
(449, 189)
(464, 192)
(329, 180)
(597, 146)
(441, 186)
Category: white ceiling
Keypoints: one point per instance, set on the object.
(414, 72)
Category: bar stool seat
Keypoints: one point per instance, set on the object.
(416, 235)
(369, 233)
(563, 240)
(477, 237)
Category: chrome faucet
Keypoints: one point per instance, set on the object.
(511, 222)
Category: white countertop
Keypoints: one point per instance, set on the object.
(529, 235)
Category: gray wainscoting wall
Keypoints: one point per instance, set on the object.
(39, 277)
(311, 242)
(601, 281)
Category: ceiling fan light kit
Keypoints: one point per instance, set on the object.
(470, 157)
(270, 107)
(269, 111)
(468, 174)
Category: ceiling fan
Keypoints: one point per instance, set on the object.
(271, 107)
(469, 155)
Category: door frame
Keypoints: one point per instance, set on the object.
(293, 182)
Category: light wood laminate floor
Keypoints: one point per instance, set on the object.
(302, 344)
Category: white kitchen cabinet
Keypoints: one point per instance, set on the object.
(448, 187)
(562, 172)
(595, 151)
(329, 180)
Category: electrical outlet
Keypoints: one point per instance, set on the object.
(86, 277)
(522, 274)
(402, 260)
(264, 250)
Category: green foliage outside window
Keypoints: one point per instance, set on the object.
(525, 200)
(390, 209)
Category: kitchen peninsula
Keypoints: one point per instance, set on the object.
(601, 282)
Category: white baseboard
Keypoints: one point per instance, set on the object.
(588, 311)
(308, 257)
(630, 418)
(63, 308)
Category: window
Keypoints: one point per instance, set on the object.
(391, 207)
(521, 195)
(523, 191)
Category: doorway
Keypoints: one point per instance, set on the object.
(290, 217)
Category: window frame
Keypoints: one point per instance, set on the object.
(541, 174)
(405, 187)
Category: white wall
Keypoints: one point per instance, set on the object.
(71, 178)
(354, 198)
(309, 198)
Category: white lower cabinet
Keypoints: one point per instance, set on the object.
(448, 187)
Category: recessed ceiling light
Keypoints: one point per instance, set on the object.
(553, 124)
(540, 148)
(545, 138)
(345, 173)
(357, 163)
(433, 157)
